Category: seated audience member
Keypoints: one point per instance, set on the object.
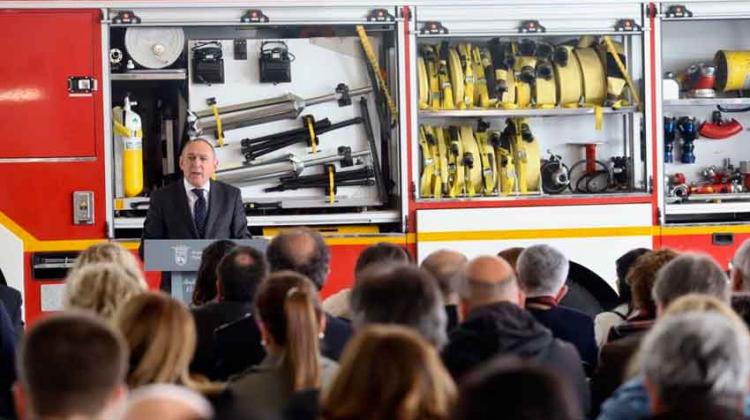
(11, 299)
(400, 294)
(618, 315)
(8, 339)
(686, 274)
(160, 334)
(303, 251)
(239, 274)
(641, 280)
(291, 322)
(696, 366)
(109, 252)
(495, 324)
(740, 268)
(389, 372)
(205, 280)
(378, 254)
(624, 338)
(511, 256)
(542, 271)
(71, 366)
(167, 402)
(101, 288)
(445, 266)
(514, 389)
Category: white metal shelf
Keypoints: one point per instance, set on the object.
(173, 74)
(517, 113)
(708, 208)
(707, 101)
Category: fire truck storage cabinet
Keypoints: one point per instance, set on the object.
(289, 97)
(703, 155)
(532, 126)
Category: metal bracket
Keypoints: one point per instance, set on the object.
(343, 90)
(531, 27)
(254, 16)
(678, 11)
(380, 15)
(433, 28)
(81, 84)
(126, 17)
(627, 25)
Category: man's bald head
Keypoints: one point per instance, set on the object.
(488, 279)
(301, 250)
(445, 265)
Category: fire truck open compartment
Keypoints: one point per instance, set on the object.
(703, 152)
(284, 143)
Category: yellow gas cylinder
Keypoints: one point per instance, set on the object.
(129, 131)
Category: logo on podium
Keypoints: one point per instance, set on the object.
(181, 254)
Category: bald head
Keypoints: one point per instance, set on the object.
(445, 265)
(488, 279)
(301, 250)
(167, 402)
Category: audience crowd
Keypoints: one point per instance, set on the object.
(452, 338)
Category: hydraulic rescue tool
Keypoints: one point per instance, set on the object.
(286, 166)
(378, 173)
(254, 148)
(288, 106)
(328, 180)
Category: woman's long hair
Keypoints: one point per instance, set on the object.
(389, 372)
(160, 333)
(205, 280)
(288, 306)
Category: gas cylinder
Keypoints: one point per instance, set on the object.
(130, 133)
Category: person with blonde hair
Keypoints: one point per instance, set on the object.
(291, 322)
(160, 333)
(389, 372)
(101, 288)
(109, 252)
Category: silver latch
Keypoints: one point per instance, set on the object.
(83, 207)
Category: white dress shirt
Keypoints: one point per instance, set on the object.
(192, 198)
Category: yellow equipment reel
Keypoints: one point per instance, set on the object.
(472, 161)
(569, 81)
(456, 77)
(732, 70)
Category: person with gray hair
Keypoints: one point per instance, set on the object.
(496, 324)
(689, 273)
(740, 268)
(542, 272)
(696, 365)
(400, 294)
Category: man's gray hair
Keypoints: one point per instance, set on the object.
(741, 263)
(698, 352)
(400, 294)
(690, 273)
(542, 270)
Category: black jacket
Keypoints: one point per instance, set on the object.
(208, 318)
(11, 299)
(505, 329)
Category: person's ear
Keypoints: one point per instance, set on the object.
(463, 308)
(737, 281)
(521, 298)
(322, 325)
(219, 291)
(561, 294)
(19, 399)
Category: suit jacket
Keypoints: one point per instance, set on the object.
(207, 319)
(238, 343)
(8, 342)
(169, 217)
(169, 214)
(11, 299)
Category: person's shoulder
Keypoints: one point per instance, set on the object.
(168, 190)
(574, 314)
(224, 187)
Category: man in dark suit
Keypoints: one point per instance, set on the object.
(542, 271)
(238, 275)
(301, 250)
(196, 207)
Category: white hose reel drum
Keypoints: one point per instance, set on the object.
(154, 48)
